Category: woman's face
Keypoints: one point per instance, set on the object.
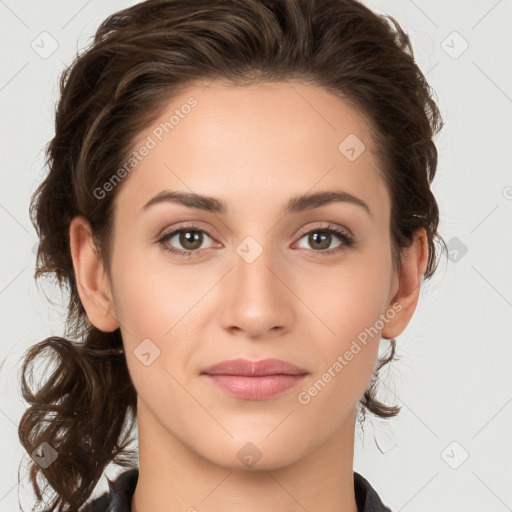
(252, 282)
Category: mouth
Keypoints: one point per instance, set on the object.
(254, 380)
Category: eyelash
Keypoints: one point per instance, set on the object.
(348, 240)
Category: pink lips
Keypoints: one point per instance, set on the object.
(254, 380)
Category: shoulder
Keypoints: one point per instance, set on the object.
(119, 497)
(367, 498)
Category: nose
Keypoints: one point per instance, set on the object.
(257, 298)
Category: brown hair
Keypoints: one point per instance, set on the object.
(139, 58)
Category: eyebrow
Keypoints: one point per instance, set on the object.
(296, 204)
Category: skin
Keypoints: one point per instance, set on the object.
(254, 147)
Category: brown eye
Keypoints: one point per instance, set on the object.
(321, 238)
(190, 240)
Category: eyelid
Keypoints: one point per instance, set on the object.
(192, 225)
(325, 225)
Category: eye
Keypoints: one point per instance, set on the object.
(189, 237)
(321, 237)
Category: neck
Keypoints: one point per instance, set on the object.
(172, 477)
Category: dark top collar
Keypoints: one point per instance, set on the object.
(119, 498)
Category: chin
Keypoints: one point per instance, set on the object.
(257, 455)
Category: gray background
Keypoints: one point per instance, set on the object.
(450, 447)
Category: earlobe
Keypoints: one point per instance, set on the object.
(92, 282)
(404, 302)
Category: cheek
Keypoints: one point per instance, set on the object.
(349, 302)
(350, 298)
(347, 349)
(153, 297)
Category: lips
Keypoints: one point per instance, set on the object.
(247, 368)
(254, 380)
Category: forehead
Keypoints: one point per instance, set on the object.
(254, 141)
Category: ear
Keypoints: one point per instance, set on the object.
(92, 281)
(414, 264)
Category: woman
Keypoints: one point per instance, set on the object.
(239, 202)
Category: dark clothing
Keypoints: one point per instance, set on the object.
(119, 498)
